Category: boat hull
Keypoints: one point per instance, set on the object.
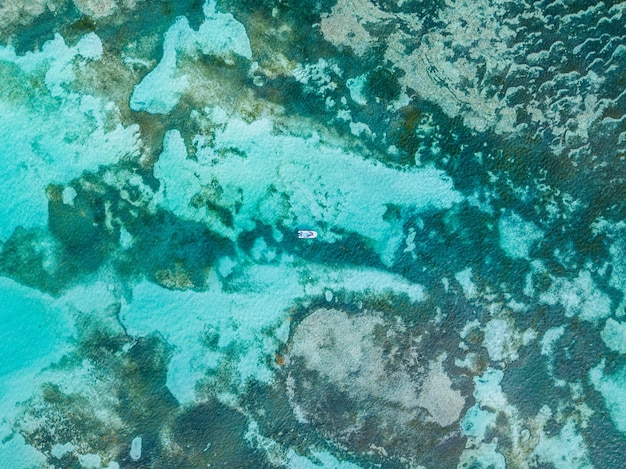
(307, 234)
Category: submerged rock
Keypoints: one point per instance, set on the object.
(371, 386)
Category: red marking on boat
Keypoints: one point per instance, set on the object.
(307, 234)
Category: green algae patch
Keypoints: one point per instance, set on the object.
(211, 433)
(37, 259)
(79, 226)
(383, 84)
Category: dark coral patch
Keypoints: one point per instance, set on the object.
(126, 397)
(212, 434)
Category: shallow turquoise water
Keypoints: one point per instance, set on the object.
(30, 329)
(461, 306)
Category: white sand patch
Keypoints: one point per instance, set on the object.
(69, 194)
(257, 178)
(488, 392)
(496, 339)
(503, 341)
(90, 461)
(321, 459)
(90, 47)
(476, 422)
(567, 450)
(613, 390)
(484, 456)
(344, 28)
(356, 86)
(135, 448)
(60, 450)
(517, 236)
(579, 297)
(614, 335)
(437, 396)
(361, 279)
(219, 35)
(318, 78)
(96, 8)
(465, 280)
(548, 343)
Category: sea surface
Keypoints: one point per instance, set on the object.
(463, 163)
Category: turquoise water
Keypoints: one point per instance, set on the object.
(31, 328)
(463, 303)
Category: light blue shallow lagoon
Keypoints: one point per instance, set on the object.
(461, 302)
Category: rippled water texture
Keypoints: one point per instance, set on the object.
(462, 162)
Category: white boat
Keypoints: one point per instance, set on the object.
(307, 234)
